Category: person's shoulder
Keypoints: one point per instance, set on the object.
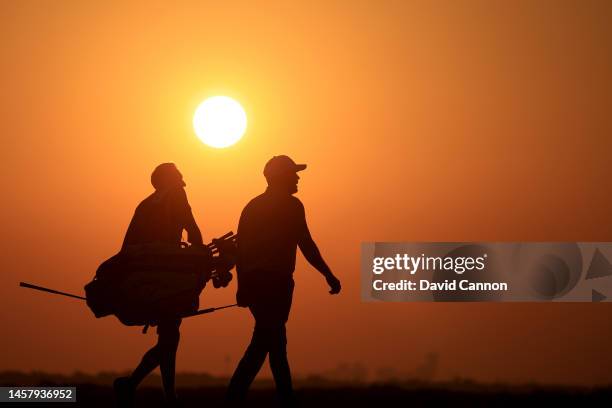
(265, 200)
(253, 203)
(251, 211)
(146, 202)
(296, 202)
(295, 206)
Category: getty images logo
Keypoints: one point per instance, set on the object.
(486, 271)
(412, 264)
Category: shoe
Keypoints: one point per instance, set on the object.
(124, 392)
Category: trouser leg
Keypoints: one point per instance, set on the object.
(163, 354)
(168, 341)
(279, 363)
(271, 312)
(149, 362)
(249, 366)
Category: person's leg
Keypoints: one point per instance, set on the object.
(249, 365)
(168, 341)
(149, 362)
(280, 365)
(125, 387)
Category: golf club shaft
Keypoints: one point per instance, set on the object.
(42, 289)
(57, 292)
(210, 310)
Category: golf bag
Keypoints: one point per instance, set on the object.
(144, 284)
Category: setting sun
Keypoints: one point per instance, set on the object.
(219, 121)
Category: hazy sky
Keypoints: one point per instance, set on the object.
(448, 120)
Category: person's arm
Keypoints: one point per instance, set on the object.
(181, 205)
(194, 236)
(313, 255)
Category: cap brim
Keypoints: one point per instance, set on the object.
(300, 167)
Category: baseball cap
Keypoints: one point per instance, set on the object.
(281, 165)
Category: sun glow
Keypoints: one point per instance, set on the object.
(219, 121)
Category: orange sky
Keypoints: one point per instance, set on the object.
(419, 121)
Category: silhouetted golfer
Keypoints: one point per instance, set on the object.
(271, 228)
(160, 218)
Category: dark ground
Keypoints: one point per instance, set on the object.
(408, 395)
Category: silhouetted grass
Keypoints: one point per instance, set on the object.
(320, 393)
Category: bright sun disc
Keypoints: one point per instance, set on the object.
(219, 121)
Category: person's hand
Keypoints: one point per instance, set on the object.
(334, 284)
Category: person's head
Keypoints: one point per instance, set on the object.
(166, 176)
(281, 173)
